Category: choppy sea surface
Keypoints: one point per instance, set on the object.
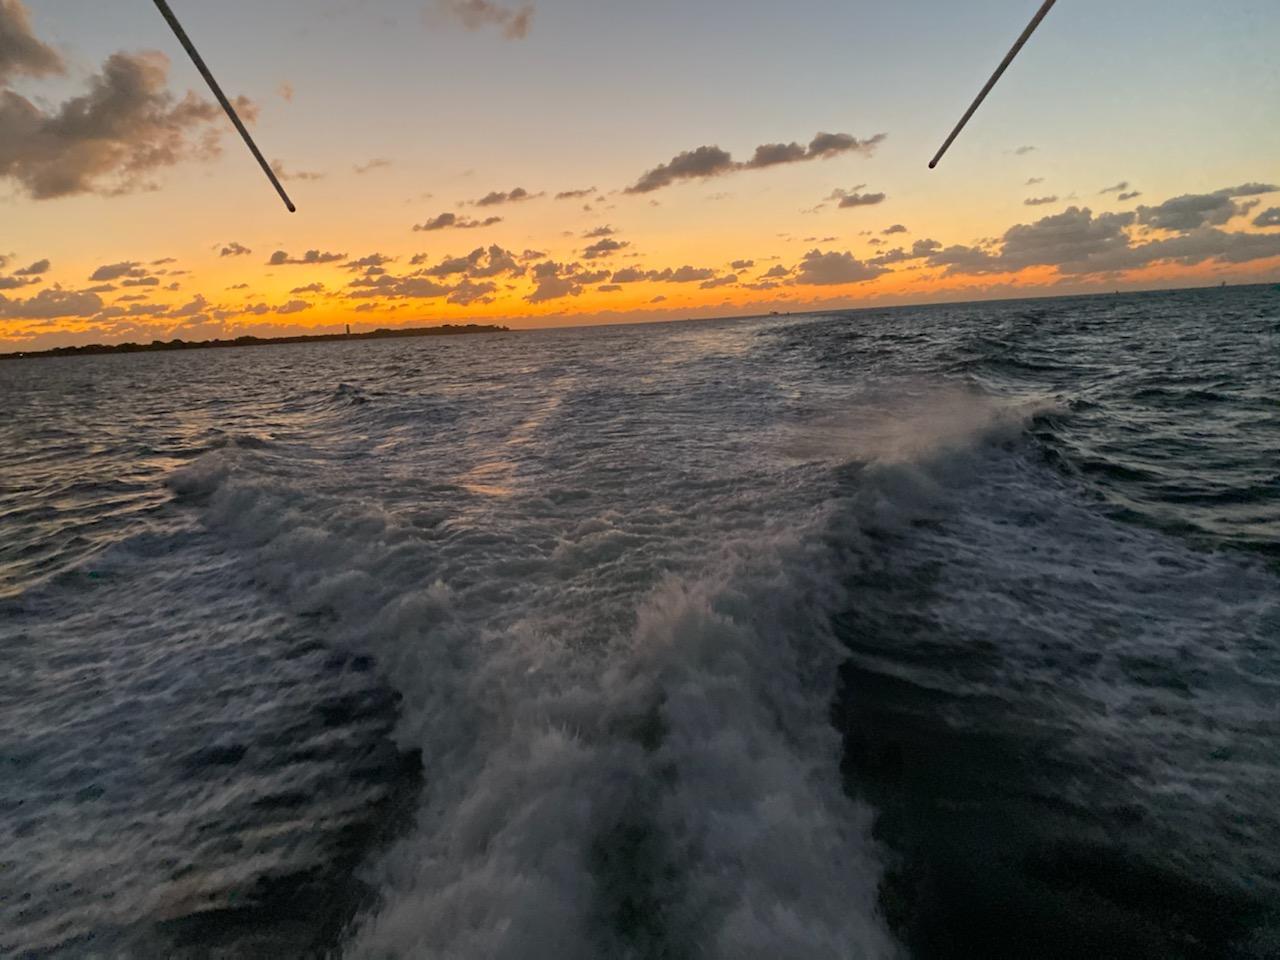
(922, 632)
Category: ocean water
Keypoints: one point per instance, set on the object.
(923, 632)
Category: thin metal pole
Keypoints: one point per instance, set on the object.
(1004, 65)
(163, 7)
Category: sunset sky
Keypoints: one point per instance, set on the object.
(582, 161)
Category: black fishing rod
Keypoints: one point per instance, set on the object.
(1004, 65)
(163, 7)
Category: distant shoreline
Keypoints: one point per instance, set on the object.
(383, 333)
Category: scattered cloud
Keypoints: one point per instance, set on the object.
(52, 304)
(496, 197)
(604, 248)
(601, 231)
(896, 228)
(1129, 195)
(446, 220)
(1120, 187)
(234, 249)
(1193, 210)
(310, 258)
(316, 287)
(114, 271)
(852, 198)
(377, 163)
(478, 14)
(21, 52)
(1023, 151)
(833, 268)
(1268, 218)
(35, 269)
(278, 168)
(1040, 201)
(742, 264)
(109, 140)
(711, 161)
(1032, 181)
(575, 194)
(285, 91)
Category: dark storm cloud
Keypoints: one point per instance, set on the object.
(711, 161)
(21, 52)
(110, 139)
(1267, 218)
(446, 221)
(281, 258)
(478, 14)
(234, 249)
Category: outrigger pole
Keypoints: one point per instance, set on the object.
(163, 7)
(982, 95)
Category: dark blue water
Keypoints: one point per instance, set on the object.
(943, 632)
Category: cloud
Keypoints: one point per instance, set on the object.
(711, 161)
(311, 257)
(609, 287)
(110, 139)
(604, 248)
(316, 287)
(896, 228)
(114, 271)
(294, 306)
(13, 283)
(21, 52)
(234, 249)
(1120, 187)
(446, 220)
(478, 14)
(285, 91)
(1040, 201)
(1129, 195)
(830, 269)
(496, 197)
(373, 261)
(1193, 210)
(775, 272)
(852, 198)
(553, 281)
(725, 281)
(469, 292)
(742, 264)
(35, 269)
(278, 168)
(602, 231)
(480, 263)
(376, 163)
(1032, 181)
(575, 194)
(1267, 218)
(1023, 151)
(51, 304)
